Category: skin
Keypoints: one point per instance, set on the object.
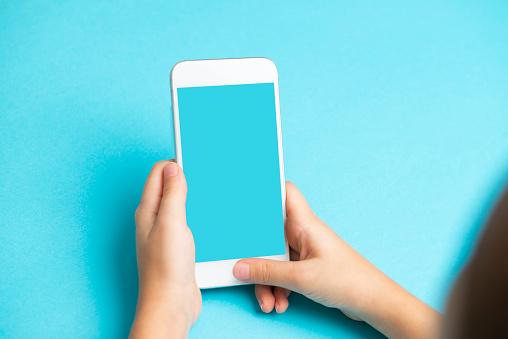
(169, 300)
(323, 267)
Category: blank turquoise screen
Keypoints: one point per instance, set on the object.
(231, 163)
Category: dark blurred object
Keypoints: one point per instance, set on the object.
(478, 304)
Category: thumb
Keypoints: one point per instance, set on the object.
(174, 194)
(268, 272)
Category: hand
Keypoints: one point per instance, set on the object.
(169, 300)
(326, 269)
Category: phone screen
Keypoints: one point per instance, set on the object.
(231, 162)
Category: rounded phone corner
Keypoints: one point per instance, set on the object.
(269, 62)
(175, 69)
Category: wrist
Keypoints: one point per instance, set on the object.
(161, 313)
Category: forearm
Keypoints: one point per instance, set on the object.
(398, 314)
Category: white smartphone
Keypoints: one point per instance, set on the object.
(228, 141)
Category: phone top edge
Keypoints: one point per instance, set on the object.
(224, 59)
(210, 72)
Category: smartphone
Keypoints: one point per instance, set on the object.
(228, 142)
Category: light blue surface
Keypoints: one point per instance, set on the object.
(230, 158)
(395, 127)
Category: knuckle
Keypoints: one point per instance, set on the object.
(168, 190)
(264, 273)
(171, 188)
(140, 216)
(137, 214)
(138, 220)
(174, 185)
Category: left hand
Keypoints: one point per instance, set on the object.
(169, 300)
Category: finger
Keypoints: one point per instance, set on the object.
(174, 194)
(299, 215)
(268, 272)
(296, 205)
(265, 297)
(151, 196)
(281, 299)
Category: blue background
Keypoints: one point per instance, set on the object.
(230, 155)
(395, 127)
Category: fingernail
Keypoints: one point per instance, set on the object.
(170, 170)
(277, 307)
(241, 271)
(261, 306)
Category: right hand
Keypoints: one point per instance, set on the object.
(326, 269)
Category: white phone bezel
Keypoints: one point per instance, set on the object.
(200, 73)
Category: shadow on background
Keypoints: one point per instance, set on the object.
(302, 312)
(319, 313)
